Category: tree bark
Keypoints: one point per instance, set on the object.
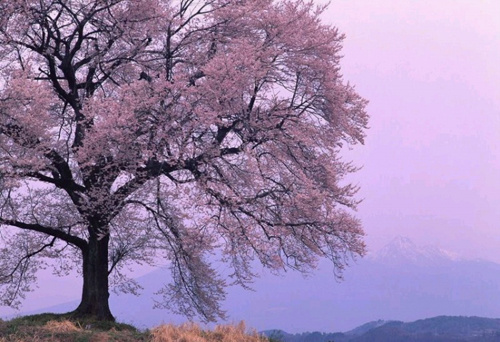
(95, 293)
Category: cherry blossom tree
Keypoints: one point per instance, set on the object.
(197, 131)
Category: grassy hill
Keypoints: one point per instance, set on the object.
(62, 328)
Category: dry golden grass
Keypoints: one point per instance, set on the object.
(193, 333)
(182, 333)
(233, 333)
(60, 328)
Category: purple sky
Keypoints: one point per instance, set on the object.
(432, 156)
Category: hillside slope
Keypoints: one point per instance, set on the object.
(436, 329)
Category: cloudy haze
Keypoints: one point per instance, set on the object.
(432, 156)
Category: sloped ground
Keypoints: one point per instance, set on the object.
(60, 328)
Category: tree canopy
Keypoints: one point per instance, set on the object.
(187, 130)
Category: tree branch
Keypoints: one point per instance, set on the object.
(74, 240)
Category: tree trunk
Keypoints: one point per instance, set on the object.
(95, 292)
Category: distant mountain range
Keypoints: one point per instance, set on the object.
(437, 329)
(402, 281)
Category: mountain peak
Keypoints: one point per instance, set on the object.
(402, 243)
(403, 250)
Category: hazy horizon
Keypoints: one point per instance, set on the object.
(399, 282)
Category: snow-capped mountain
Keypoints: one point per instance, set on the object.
(402, 250)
